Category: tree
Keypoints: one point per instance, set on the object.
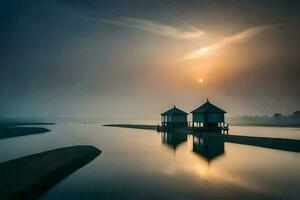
(296, 115)
(277, 116)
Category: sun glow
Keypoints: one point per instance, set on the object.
(200, 80)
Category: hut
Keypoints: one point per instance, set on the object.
(174, 118)
(208, 116)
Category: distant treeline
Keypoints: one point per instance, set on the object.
(277, 117)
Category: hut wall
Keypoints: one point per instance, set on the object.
(169, 118)
(215, 117)
(211, 117)
(179, 118)
(198, 117)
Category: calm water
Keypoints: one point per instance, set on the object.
(142, 164)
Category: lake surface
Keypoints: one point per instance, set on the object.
(143, 164)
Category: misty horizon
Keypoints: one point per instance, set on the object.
(134, 58)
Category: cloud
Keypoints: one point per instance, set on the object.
(237, 38)
(155, 28)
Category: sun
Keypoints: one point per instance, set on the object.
(200, 80)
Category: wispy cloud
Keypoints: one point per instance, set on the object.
(156, 27)
(239, 37)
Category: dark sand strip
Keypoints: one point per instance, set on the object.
(8, 132)
(29, 177)
(272, 143)
(134, 126)
(264, 124)
(6, 124)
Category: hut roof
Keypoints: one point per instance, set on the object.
(208, 107)
(174, 111)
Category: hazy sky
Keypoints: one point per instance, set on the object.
(136, 58)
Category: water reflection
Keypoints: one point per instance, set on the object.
(173, 140)
(208, 146)
(139, 165)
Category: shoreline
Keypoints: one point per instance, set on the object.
(14, 131)
(30, 176)
(16, 123)
(133, 126)
(266, 124)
